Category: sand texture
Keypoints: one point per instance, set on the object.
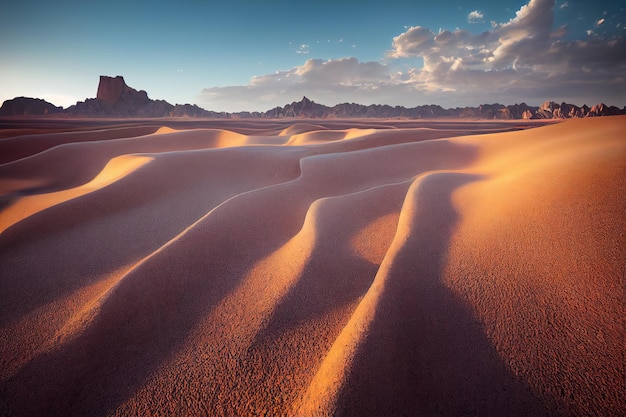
(325, 268)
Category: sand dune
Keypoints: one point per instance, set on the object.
(266, 268)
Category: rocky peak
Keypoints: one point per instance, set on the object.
(602, 109)
(549, 106)
(111, 89)
(115, 98)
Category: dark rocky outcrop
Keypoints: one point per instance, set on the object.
(116, 99)
(604, 110)
(26, 106)
(112, 89)
(191, 110)
(305, 108)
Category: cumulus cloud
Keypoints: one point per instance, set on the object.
(414, 42)
(475, 17)
(327, 81)
(523, 47)
(344, 71)
(523, 59)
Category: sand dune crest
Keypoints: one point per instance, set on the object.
(24, 207)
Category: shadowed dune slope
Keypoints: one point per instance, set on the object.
(315, 270)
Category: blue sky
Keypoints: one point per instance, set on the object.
(250, 55)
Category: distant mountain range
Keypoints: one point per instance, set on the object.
(116, 99)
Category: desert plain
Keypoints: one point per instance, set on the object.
(312, 267)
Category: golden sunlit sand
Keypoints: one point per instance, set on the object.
(353, 268)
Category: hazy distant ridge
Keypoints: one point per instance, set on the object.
(116, 99)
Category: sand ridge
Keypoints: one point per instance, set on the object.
(266, 268)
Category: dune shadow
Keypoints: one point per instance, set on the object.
(148, 318)
(141, 325)
(80, 241)
(426, 353)
(324, 287)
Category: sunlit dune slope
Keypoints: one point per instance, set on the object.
(315, 269)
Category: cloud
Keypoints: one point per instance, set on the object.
(344, 71)
(475, 17)
(564, 5)
(518, 42)
(415, 41)
(327, 81)
(599, 22)
(522, 59)
(521, 56)
(559, 32)
(303, 49)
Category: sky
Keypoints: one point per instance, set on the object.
(253, 55)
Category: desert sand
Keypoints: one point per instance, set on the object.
(313, 268)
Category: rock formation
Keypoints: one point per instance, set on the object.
(112, 89)
(602, 109)
(305, 108)
(25, 106)
(116, 99)
(191, 110)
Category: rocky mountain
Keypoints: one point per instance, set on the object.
(302, 109)
(191, 110)
(24, 106)
(604, 110)
(548, 110)
(116, 99)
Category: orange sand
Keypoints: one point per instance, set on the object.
(354, 268)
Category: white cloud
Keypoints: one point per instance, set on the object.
(327, 81)
(564, 5)
(523, 59)
(303, 49)
(517, 41)
(415, 41)
(599, 22)
(522, 55)
(475, 17)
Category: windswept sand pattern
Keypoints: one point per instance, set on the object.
(379, 268)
